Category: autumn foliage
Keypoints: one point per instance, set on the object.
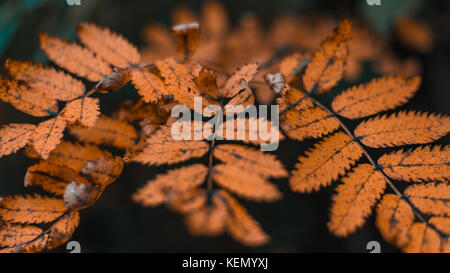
(204, 179)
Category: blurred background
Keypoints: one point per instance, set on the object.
(406, 37)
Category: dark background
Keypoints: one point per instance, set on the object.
(297, 223)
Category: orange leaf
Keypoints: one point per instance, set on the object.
(424, 239)
(75, 156)
(14, 136)
(327, 64)
(402, 128)
(161, 148)
(149, 86)
(233, 84)
(188, 38)
(431, 198)
(62, 230)
(245, 183)
(415, 34)
(376, 96)
(80, 195)
(244, 97)
(209, 220)
(322, 165)
(310, 122)
(51, 177)
(47, 135)
(179, 81)
(74, 58)
(180, 180)
(84, 110)
(207, 84)
(394, 219)
(423, 163)
(112, 47)
(103, 171)
(250, 159)
(31, 209)
(55, 84)
(354, 199)
(107, 131)
(27, 100)
(241, 226)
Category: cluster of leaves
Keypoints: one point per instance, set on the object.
(416, 220)
(73, 176)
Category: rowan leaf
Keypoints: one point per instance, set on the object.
(207, 83)
(75, 156)
(291, 66)
(180, 180)
(252, 130)
(103, 171)
(209, 220)
(250, 159)
(355, 198)
(84, 110)
(80, 195)
(276, 82)
(15, 236)
(187, 201)
(47, 135)
(188, 38)
(161, 148)
(51, 177)
(74, 58)
(179, 81)
(402, 128)
(233, 84)
(30, 101)
(149, 86)
(376, 96)
(241, 226)
(312, 122)
(14, 136)
(110, 46)
(55, 84)
(108, 131)
(430, 198)
(327, 64)
(31, 209)
(294, 99)
(424, 239)
(245, 183)
(421, 164)
(140, 111)
(62, 230)
(325, 163)
(394, 219)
